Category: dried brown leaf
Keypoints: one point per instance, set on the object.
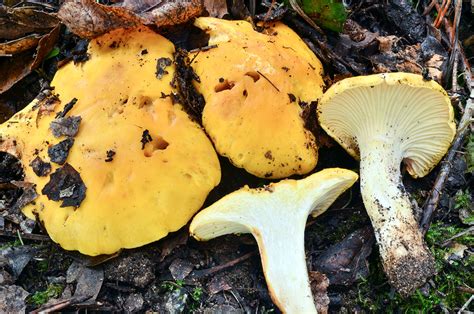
(216, 8)
(20, 65)
(346, 261)
(18, 22)
(88, 19)
(19, 45)
(170, 13)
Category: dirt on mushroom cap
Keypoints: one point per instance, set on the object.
(252, 83)
(141, 194)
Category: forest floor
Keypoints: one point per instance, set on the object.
(180, 274)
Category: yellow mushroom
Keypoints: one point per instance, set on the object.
(146, 168)
(276, 216)
(252, 84)
(383, 120)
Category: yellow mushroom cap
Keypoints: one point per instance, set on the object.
(145, 190)
(252, 83)
(414, 112)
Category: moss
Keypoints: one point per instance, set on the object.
(442, 293)
(10, 244)
(41, 297)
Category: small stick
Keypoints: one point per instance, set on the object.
(435, 194)
(210, 271)
(26, 236)
(466, 304)
(268, 80)
(460, 234)
(301, 13)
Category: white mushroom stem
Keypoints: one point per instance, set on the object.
(276, 217)
(406, 258)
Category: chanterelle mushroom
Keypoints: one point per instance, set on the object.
(253, 84)
(276, 216)
(135, 166)
(385, 119)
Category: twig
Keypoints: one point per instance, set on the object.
(26, 236)
(210, 271)
(268, 80)
(301, 13)
(466, 304)
(59, 305)
(460, 234)
(435, 194)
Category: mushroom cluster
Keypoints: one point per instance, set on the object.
(254, 84)
(383, 120)
(115, 163)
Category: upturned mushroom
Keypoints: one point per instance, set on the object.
(254, 84)
(276, 216)
(383, 120)
(115, 163)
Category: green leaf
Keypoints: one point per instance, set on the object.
(329, 14)
(53, 53)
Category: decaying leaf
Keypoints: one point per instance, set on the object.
(12, 299)
(66, 185)
(16, 258)
(15, 46)
(216, 8)
(328, 14)
(89, 280)
(345, 262)
(89, 19)
(18, 22)
(20, 65)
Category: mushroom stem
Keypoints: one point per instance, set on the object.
(276, 216)
(406, 259)
(281, 248)
(278, 257)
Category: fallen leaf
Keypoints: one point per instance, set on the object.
(319, 286)
(65, 185)
(329, 14)
(89, 19)
(18, 22)
(216, 8)
(180, 268)
(15, 46)
(20, 65)
(12, 299)
(345, 262)
(16, 258)
(218, 284)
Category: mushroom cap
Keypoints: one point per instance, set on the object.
(255, 210)
(252, 83)
(415, 114)
(142, 194)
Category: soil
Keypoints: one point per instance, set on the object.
(180, 274)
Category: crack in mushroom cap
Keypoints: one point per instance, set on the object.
(139, 195)
(414, 113)
(252, 83)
